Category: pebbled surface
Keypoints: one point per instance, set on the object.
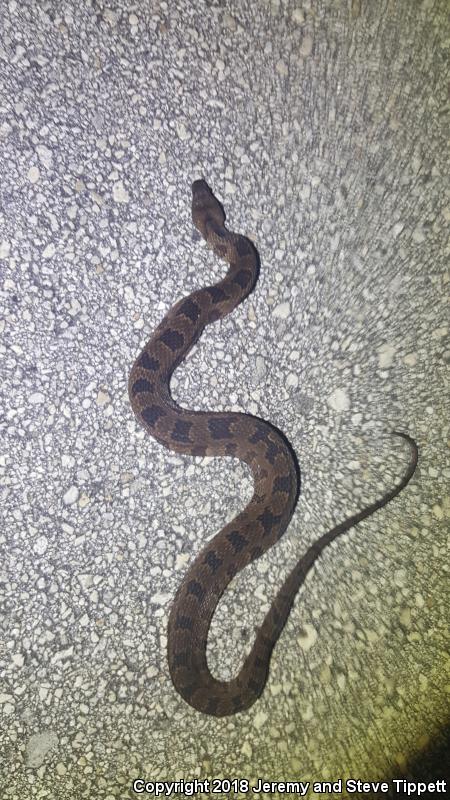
(323, 127)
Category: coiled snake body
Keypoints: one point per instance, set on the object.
(252, 440)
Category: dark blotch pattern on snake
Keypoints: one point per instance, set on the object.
(254, 441)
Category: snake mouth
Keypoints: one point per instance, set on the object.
(201, 193)
(200, 185)
(207, 211)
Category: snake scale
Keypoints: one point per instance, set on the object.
(250, 439)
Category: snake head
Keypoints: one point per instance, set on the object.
(205, 208)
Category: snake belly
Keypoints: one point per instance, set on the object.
(250, 439)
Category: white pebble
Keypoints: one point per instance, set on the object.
(49, 251)
(120, 194)
(306, 46)
(282, 310)
(44, 154)
(308, 639)
(410, 359)
(102, 398)
(260, 720)
(4, 249)
(36, 398)
(386, 355)
(71, 496)
(261, 368)
(281, 68)
(33, 174)
(298, 15)
(182, 132)
(38, 746)
(40, 545)
(339, 400)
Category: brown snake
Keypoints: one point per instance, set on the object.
(250, 439)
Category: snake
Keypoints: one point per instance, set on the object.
(252, 440)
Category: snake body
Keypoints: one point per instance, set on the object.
(252, 440)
